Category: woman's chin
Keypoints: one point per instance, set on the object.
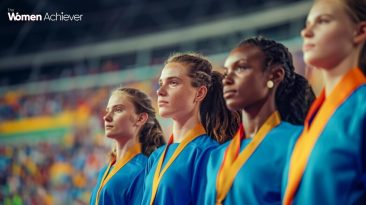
(232, 106)
(164, 114)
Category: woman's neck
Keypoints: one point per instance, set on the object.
(123, 146)
(332, 78)
(333, 75)
(182, 125)
(254, 118)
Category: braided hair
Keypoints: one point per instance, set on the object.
(294, 94)
(219, 122)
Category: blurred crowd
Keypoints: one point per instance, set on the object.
(50, 171)
(15, 105)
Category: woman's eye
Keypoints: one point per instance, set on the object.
(239, 69)
(323, 20)
(173, 83)
(118, 109)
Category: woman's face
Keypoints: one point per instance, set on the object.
(176, 95)
(120, 118)
(245, 81)
(328, 35)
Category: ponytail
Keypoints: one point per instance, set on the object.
(218, 121)
(293, 98)
(151, 137)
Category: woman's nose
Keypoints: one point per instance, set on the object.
(161, 91)
(307, 31)
(107, 117)
(227, 78)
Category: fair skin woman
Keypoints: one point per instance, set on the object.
(188, 91)
(327, 163)
(332, 42)
(130, 121)
(178, 100)
(122, 123)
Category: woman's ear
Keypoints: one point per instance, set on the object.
(142, 118)
(277, 74)
(360, 33)
(201, 94)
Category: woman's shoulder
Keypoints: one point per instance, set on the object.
(156, 154)
(358, 98)
(288, 127)
(221, 148)
(204, 142)
(285, 132)
(158, 151)
(102, 170)
(140, 160)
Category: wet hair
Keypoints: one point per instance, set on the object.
(294, 94)
(356, 10)
(219, 122)
(150, 134)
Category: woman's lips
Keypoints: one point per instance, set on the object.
(109, 126)
(307, 47)
(162, 103)
(229, 93)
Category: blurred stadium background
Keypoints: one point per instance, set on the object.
(55, 77)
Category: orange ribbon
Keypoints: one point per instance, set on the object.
(233, 161)
(319, 114)
(131, 153)
(192, 134)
